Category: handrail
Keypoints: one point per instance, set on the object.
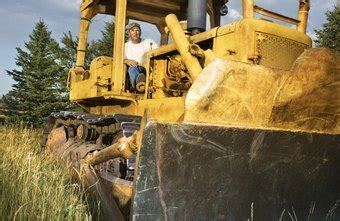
(275, 15)
(301, 22)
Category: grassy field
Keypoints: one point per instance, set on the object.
(33, 187)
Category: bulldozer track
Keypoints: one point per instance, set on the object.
(74, 135)
(94, 126)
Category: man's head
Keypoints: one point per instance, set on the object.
(134, 32)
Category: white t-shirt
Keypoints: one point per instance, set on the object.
(136, 51)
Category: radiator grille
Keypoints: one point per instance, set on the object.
(277, 52)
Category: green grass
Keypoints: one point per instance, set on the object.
(34, 187)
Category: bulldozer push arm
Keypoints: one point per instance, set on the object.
(239, 122)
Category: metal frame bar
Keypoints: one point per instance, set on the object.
(249, 8)
(118, 74)
(275, 15)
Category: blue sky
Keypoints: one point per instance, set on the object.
(18, 18)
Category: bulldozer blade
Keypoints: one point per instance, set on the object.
(234, 93)
(209, 172)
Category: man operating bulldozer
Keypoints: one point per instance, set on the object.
(135, 48)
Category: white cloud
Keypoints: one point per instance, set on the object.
(234, 14)
(312, 35)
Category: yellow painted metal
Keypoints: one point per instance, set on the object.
(93, 84)
(123, 148)
(310, 97)
(275, 15)
(182, 45)
(140, 10)
(209, 34)
(306, 98)
(86, 4)
(244, 40)
(303, 15)
(248, 8)
(102, 89)
(260, 42)
(169, 109)
(82, 42)
(149, 76)
(228, 42)
(249, 74)
(118, 52)
(204, 35)
(85, 21)
(160, 67)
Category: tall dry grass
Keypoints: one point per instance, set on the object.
(33, 187)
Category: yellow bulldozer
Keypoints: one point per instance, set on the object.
(238, 122)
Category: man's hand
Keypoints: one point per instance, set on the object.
(132, 63)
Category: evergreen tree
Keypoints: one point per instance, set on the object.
(68, 52)
(329, 35)
(38, 88)
(100, 47)
(104, 45)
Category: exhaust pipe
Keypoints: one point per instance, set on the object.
(197, 16)
(304, 7)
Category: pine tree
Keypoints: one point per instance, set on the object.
(39, 84)
(100, 47)
(68, 52)
(329, 35)
(104, 45)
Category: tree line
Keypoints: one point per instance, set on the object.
(40, 80)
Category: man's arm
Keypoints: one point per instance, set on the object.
(130, 62)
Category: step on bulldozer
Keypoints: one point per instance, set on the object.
(238, 122)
